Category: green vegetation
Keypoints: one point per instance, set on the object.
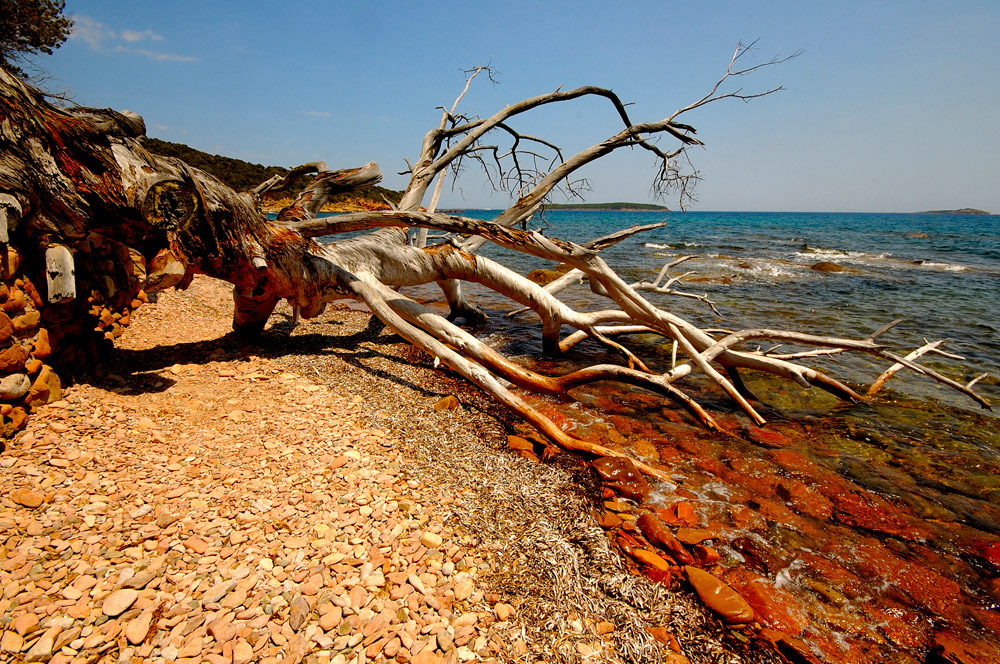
(961, 211)
(609, 206)
(242, 175)
(30, 27)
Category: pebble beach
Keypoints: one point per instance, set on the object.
(324, 495)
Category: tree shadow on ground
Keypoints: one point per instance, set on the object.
(140, 371)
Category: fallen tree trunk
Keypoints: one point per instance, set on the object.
(69, 176)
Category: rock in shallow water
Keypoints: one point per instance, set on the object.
(826, 266)
(621, 475)
(659, 534)
(719, 597)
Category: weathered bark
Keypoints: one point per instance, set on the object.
(69, 175)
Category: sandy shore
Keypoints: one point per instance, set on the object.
(301, 499)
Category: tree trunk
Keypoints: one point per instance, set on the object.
(77, 187)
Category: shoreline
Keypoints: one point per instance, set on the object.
(331, 425)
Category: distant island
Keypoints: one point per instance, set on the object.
(961, 211)
(618, 207)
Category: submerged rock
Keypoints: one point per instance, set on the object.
(790, 648)
(949, 649)
(621, 475)
(772, 606)
(679, 514)
(827, 266)
(659, 534)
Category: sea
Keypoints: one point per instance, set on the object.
(870, 532)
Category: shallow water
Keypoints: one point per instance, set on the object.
(862, 529)
(866, 528)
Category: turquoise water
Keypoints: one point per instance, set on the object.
(939, 273)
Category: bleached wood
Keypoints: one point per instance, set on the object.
(187, 223)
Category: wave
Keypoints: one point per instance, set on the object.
(821, 252)
(872, 259)
(672, 245)
(947, 267)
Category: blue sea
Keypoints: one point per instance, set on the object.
(939, 273)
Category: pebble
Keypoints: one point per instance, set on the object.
(657, 532)
(137, 628)
(165, 519)
(23, 622)
(27, 498)
(119, 602)
(11, 642)
(299, 611)
(222, 630)
(242, 652)
(180, 534)
(41, 651)
(431, 540)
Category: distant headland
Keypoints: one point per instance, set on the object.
(960, 211)
(617, 207)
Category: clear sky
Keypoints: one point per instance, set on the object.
(893, 105)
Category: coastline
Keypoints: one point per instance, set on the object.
(493, 556)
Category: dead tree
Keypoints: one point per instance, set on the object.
(67, 174)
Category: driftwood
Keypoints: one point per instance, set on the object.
(67, 174)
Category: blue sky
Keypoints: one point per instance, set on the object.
(892, 106)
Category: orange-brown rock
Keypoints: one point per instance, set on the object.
(988, 552)
(926, 587)
(6, 327)
(767, 437)
(520, 444)
(13, 263)
(46, 388)
(773, 607)
(868, 511)
(757, 555)
(694, 535)
(622, 476)
(27, 321)
(13, 358)
(608, 519)
(650, 559)
(719, 597)
(15, 301)
(805, 500)
(33, 294)
(447, 403)
(826, 266)
(26, 497)
(659, 534)
(43, 344)
(705, 555)
(679, 514)
(18, 418)
(793, 650)
(948, 648)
